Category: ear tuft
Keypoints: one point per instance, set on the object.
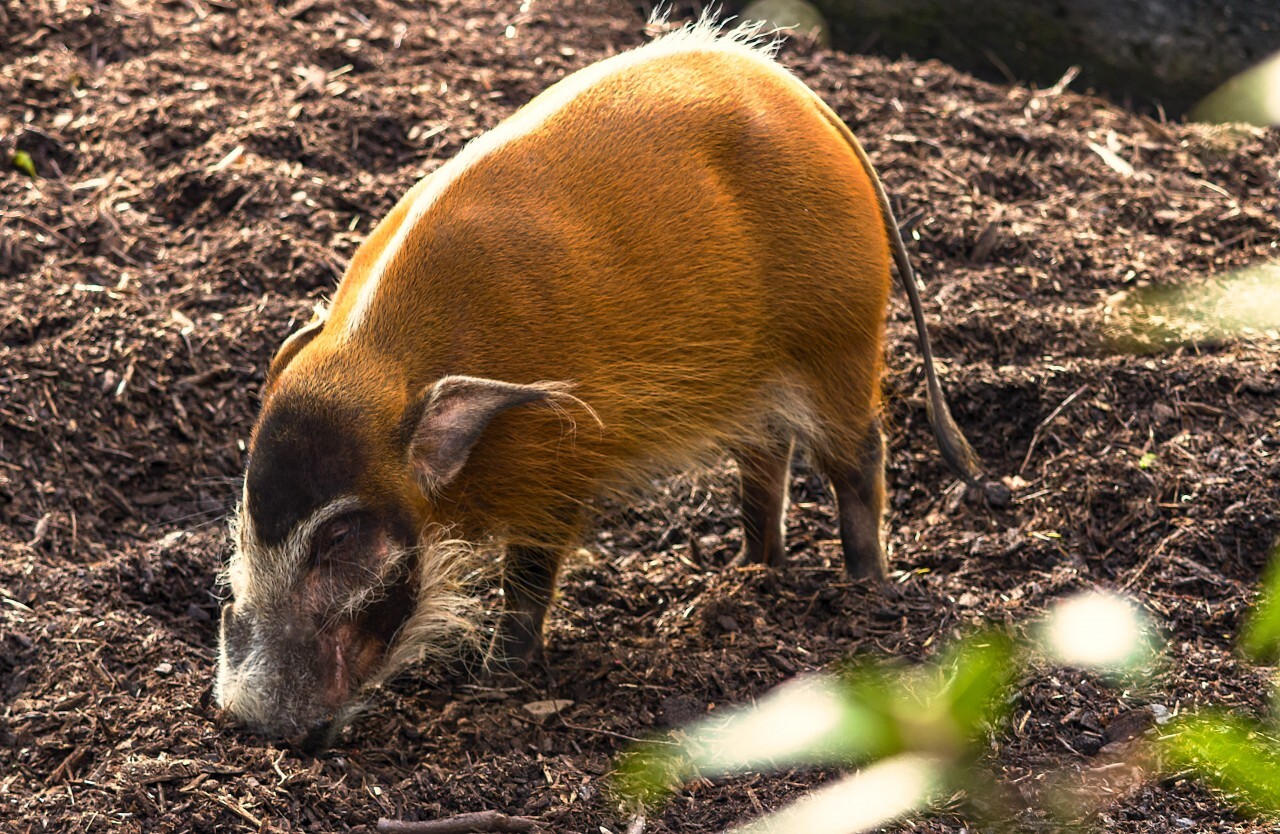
(454, 412)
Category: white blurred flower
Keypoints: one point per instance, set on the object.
(1096, 630)
(870, 798)
(786, 726)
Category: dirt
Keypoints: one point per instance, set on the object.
(206, 168)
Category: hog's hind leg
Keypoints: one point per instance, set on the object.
(859, 487)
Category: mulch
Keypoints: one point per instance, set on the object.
(206, 170)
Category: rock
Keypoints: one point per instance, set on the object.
(1129, 725)
(1174, 52)
(729, 624)
(1087, 743)
(542, 710)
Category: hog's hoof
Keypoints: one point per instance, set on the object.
(516, 647)
(321, 738)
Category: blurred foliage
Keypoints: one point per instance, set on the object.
(927, 724)
(1253, 97)
(1261, 639)
(919, 732)
(866, 711)
(872, 797)
(1100, 631)
(1240, 304)
(1238, 756)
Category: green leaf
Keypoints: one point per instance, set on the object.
(815, 719)
(984, 672)
(24, 163)
(1232, 754)
(1261, 639)
(1146, 460)
(650, 771)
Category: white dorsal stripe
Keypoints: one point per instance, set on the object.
(705, 34)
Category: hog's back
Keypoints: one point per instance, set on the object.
(687, 237)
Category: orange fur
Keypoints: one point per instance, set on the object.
(690, 240)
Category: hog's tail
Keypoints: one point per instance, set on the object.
(952, 443)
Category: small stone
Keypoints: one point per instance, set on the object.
(678, 710)
(1161, 713)
(710, 543)
(542, 710)
(728, 623)
(165, 668)
(1129, 724)
(997, 494)
(1089, 720)
(1087, 743)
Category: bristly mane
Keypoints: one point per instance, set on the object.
(710, 30)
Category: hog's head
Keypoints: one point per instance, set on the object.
(342, 572)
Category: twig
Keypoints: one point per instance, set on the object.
(1063, 82)
(1053, 415)
(236, 809)
(612, 734)
(42, 226)
(1155, 554)
(473, 823)
(63, 771)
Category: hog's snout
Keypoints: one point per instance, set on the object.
(282, 679)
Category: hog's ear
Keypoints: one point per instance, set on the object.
(296, 342)
(453, 413)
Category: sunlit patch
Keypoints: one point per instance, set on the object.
(868, 799)
(1244, 304)
(1096, 630)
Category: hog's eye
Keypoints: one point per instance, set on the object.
(336, 533)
